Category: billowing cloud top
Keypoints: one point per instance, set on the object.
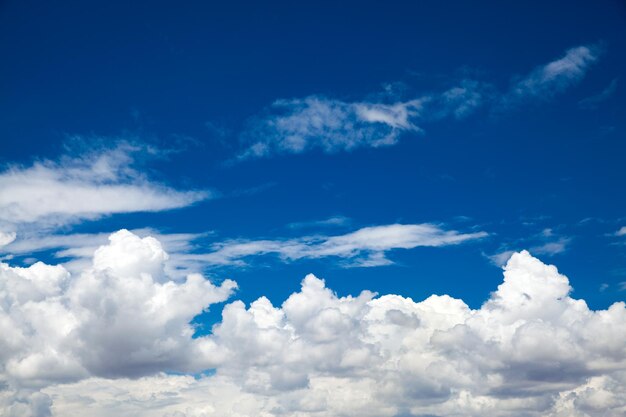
(115, 339)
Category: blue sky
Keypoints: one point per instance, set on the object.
(407, 148)
(191, 83)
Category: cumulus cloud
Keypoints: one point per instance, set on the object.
(107, 341)
(122, 316)
(84, 187)
(364, 247)
(297, 125)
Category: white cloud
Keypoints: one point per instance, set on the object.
(299, 125)
(84, 187)
(363, 247)
(334, 221)
(530, 350)
(621, 231)
(551, 248)
(122, 316)
(366, 247)
(315, 122)
(500, 258)
(6, 238)
(556, 76)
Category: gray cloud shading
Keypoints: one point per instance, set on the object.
(115, 339)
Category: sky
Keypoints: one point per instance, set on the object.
(312, 209)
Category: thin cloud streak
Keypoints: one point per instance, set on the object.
(84, 187)
(365, 247)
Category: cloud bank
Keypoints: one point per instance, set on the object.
(116, 340)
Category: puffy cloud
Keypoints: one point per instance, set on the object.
(85, 187)
(84, 343)
(123, 316)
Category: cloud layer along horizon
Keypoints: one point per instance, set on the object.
(116, 339)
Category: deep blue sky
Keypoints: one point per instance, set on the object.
(192, 76)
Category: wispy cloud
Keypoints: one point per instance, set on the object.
(293, 126)
(593, 101)
(334, 221)
(621, 231)
(85, 186)
(364, 247)
(546, 242)
(299, 125)
(546, 81)
(500, 258)
(332, 125)
(551, 248)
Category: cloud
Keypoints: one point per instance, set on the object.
(121, 316)
(555, 77)
(108, 340)
(364, 247)
(87, 186)
(77, 249)
(551, 248)
(298, 125)
(6, 238)
(316, 122)
(500, 258)
(621, 231)
(334, 221)
(595, 100)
